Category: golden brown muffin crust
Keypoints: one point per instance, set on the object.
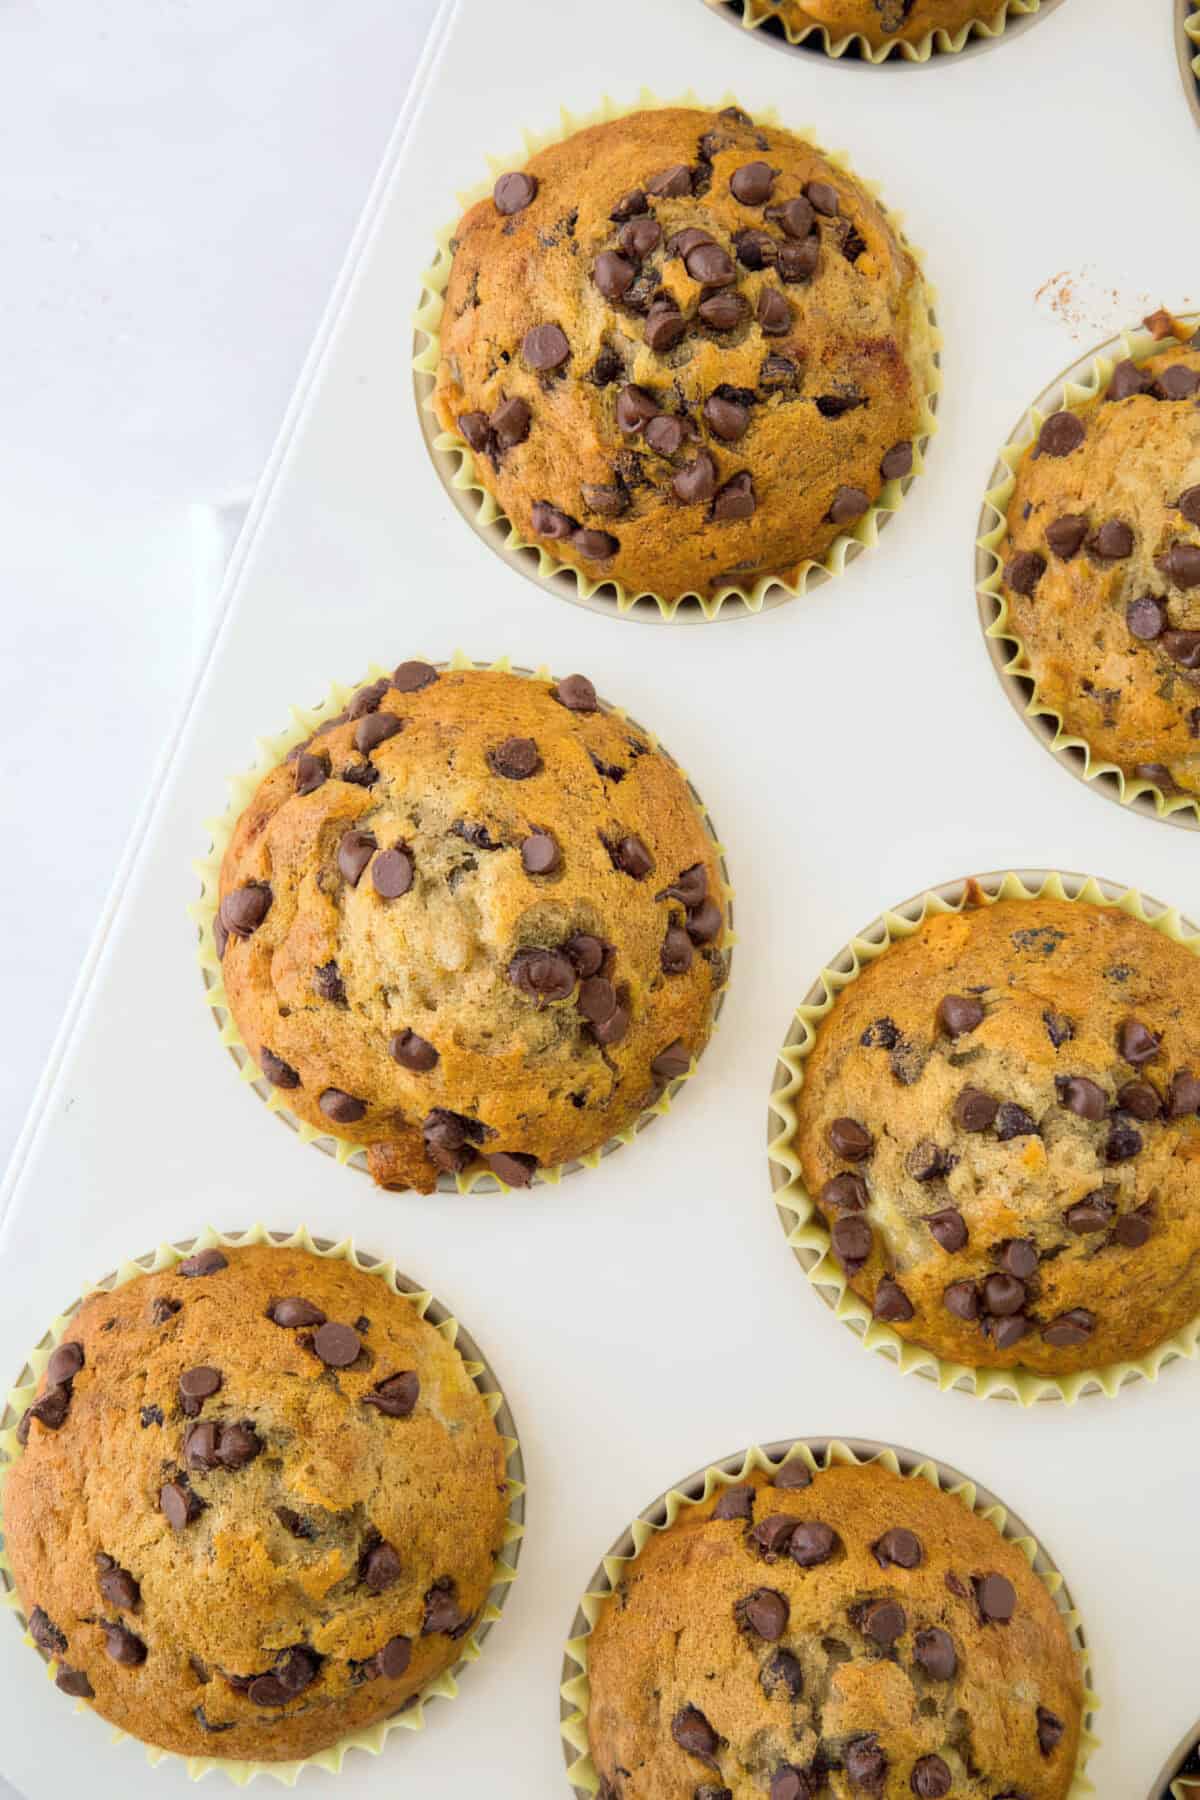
(423, 1009)
(791, 363)
(999, 1123)
(1101, 569)
(725, 1666)
(258, 1594)
(879, 21)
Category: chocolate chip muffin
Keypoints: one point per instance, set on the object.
(1100, 568)
(881, 23)
(473, 923)
(258, 1507)
(841, 1633)
(686, 352)
(998, 1122)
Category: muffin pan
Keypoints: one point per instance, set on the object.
(850, 748)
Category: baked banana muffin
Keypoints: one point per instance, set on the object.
(1101, 568)
(475, 921)
(859, 1633)
(686, 352)
(258, 1507)
(880, 22)
(998, 1121)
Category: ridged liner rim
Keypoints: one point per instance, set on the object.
(981, 33)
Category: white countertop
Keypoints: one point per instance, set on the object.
(181, 181)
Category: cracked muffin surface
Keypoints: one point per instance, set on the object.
(475, 922)
(838, 1634)
(685, 351)
(880, 22)
(998, 1121)
(258, 1506)
(1101, 568)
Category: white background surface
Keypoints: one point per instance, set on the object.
(647, 1318)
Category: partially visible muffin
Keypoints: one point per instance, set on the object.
(258, 1507)
(474, 922)
(1100, 568)
(998, 1122)
(687, 351)
(880, 22)
(846, 1633)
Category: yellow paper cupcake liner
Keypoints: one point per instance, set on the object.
(456, 464)
(992, 22)
(1076, 388)
(806, 1230)
(1170, 1782)
(270, 752)
(1189, 53)
(445, 1686)
(817, 1454)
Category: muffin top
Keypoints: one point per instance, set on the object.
(859, 1633)
(999, 1123)
(687, 352)
(1101, 568)
(474, 920)
(880, 22)
(259, 1504)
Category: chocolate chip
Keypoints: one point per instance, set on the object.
(544, 974)
(1012, 1121)
(577, 694)
(342, 1108)
(774, 316)
(823, 197)
(629, 205)
(1140, 1099)
(1183, 647)
(392, 873)
(1184, 1095)
(612, 1029)
(75, 1683)
(765, 1612)
(898, 1548)
(380, 1568)
(613, 274)
(311, 772)
(197, 1385)
(238, 1445)
(1092, 1213)
(292, 1312)
(693, 1733)
(995, 1597)
(783, 1671)
(178, 1505)
(961, 1299)
(545, 347)
(1177, 382)
(891, 1305)
(393, 1659)
(203, 1262)
(375, 729)
(1136, 1042)
(516, 759)
(664, 434)
(1050, 1730)
(539, 854)
(119, 1588)
(948, 1228)
(672, 183)
(200, 1445)
(327, 983)
(682, 243)
(934, 1650)
(926, 1161)
(726, 419)
(865, 1763)
(696, 480)
(1128, 379)
(672, 1063)
(751, 184)
(1181, 564)
(811, 1543)
(958, 1014)
(848, 503)
(883, 1621)
(395, 1396)
(632, 858)
(735, 1503)
(355, 850)
(1069, 1328)
(122, 1645)
(787, 1783)
(1189, 505)
(50, 1410)
(710, 265)
(585, 953)
(1131, 1230)
(336, 1345)
(736, 500)
(1004, 1294)
(150, 1415)
(1112, 541)
(1082, 1096)
(640, 237)
(414, 1053)
(974, 1110)
(514, 192)
(852, 1239)
(243, 909)
(1025, 571)
(845, 1192)
(267, 1690)
(755, 249)
(1065, 536)
(1146, 618)
(850, 1140)
(931, 1778)
(475, 428)
(897, 462)
(45, 1633)
(791, 1474)
(1123, 1143)
(798, 262)
(1019, 1257)
(65, 1362)
(513, 1167)
(772, 1535)
(723, 310)
(510, 423)
(1061, 434)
